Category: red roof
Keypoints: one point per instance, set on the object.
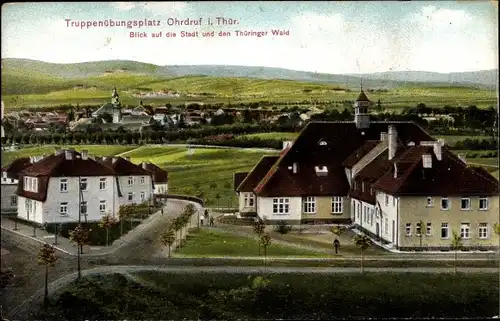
(257, 173)
(159, 174)
(447, 177)
(327, 144)
(359, 153)
(122, 166)
(238, 178)
(14, 168)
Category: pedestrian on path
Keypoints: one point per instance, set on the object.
(162, 211)
(211, 221)
(201, 219)
(336, 245)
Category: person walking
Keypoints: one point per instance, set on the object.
(211, 221)
(336, 245)
(201, 219)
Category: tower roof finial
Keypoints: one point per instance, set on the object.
(361, 83)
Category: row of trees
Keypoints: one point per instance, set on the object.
(177, 229)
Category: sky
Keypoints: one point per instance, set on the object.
(336, 37)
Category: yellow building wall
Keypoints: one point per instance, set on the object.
(414, 209)
(324, 209)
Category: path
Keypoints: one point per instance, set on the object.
(126, 152)
(54, 287)
(482, 164)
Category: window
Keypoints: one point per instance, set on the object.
(63, 183)
(483, 230)
(418, 229)
(377, 213)
(445, 203)
(102, 207)
(83, 208)
(83, 184)
(281, 205)
(429, 202)
(249, 199)
(13, 201)
(359, 209)
(483, 203)
(143, 180)
(386, 226)
(386, 200)
(63, 209)
(371, 216)
(465, 203)
(371, 190)
(26, 183)
(465, 230)
(309, 204)
(363, 187)
(337, 205)
(393, 201)
(428, 230)
(143, 196)
(355, 185)
(102, 184)
(130, 196)
(130, 180)
(408, 229)
(444, 231)
(34, 184)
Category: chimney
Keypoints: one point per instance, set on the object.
(383, 136)
(69, 154)
(294, 168)
(393, 141)
(32, 159)
(427, 160)
(286, 144)
(438, 150)
(104, 158)
(85, 154)
(58, 151)
(395, 170)
(114, 159)
(144, 165)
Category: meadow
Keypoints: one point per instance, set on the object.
(270, 296)
(21, 90)
(209, 170)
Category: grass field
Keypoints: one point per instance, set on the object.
(205, 242)
(220, 296)
(21, 90)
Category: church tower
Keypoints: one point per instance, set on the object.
(361, 110)
(117, 110)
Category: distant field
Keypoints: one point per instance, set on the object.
(98, 150)
(272, 135)
(23, 90)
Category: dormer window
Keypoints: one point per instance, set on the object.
(363, 187)
(321, 170)
(323, 143)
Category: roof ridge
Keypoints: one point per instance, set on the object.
(253, 169)
(467, 166)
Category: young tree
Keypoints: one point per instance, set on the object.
(420, 232)
(363, 242)
(79, 237)
(107, 222)
(259, 227)
(337, 230)
(456, 245)
(47, 257)
(168, 239)
(265, 241)
(217, 197)
(176, 226)
(124, 212)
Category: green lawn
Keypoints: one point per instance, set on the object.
(272, 135)
(204, 242)
(452, 139)
(296, 296)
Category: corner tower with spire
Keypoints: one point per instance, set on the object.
(361, 110)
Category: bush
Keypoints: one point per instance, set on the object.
(283, 228)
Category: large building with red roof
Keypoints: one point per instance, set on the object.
(390, 178)
(68, 186)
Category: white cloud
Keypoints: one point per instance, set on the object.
(155, 7)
